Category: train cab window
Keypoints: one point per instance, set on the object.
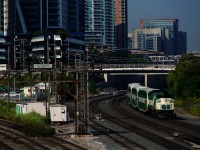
(163, 107)
(134, 91)
(129, 89)
(159, 96)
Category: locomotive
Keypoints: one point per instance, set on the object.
(150, 100)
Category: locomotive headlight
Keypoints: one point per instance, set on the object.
(159, 101)
(159, 106)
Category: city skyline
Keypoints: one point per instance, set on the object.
(187, 12)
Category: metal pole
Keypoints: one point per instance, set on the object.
(87, 100)
(55, 74)
(68, 52)
(48, 49)
(76, 101)
(20, 54)
(48, 97)
(23, 55)
(14, 60)
(31, 84)
(76, 107)
(8, 105)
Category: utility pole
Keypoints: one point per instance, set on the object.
(86, 103)
(76, 107)
(15, 38)
(48, 73)
(8, 67)
(82, 105)
(55, 71)
(77, 113)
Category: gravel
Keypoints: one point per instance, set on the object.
(102, 142)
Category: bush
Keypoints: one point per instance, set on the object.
(31, 122)
(32, 119)
(195, 110)
(4, 114)
(178, 103)
(193, 105)
(35, 122)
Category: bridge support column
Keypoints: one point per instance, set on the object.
(105, 76)
(145, 80)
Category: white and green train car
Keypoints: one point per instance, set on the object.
(132, 93)
(143, 98)
(150, 100)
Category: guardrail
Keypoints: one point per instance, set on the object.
(108, 66)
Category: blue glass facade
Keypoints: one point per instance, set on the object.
(46, 16)
(75, 17)
(23, 16)
(121, 27)
(182, 43)
(150, 39)
(1, 17)
(57, 13)
(99, 23)
(171, 24)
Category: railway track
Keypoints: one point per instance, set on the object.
(169, 144)
(4, 146)
(163, 126)
(12, 139)
(116, 137)
(111, 134)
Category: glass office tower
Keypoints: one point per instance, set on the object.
(99, 23)
(1, 17)
(182, 43)
(169, 23)
(24, 16)
(76, 18)
(121, 23)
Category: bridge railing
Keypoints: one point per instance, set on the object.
(108, 66)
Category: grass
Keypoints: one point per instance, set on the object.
(192, 105)
(29, 122)
(195, 110)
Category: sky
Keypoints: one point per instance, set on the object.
(186, 11)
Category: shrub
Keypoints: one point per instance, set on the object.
(178, 103)
(195, 110)
(30, 122)
(32, 119)
(4, 110)
(36, 123)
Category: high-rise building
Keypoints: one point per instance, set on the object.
(7, 16)
(154, 39)
(24, 16)
(169, 23)
(99, 23)
(1, 17)
(182, 43)
(76, 23)
(130, 40)
(19, 17)
(121, 22)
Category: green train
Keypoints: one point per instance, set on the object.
(150, 100)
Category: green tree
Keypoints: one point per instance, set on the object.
(184, 82)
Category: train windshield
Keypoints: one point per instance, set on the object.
(155, 95)
(159, 96)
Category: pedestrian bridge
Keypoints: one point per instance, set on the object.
(111, 71)
(134, 67)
